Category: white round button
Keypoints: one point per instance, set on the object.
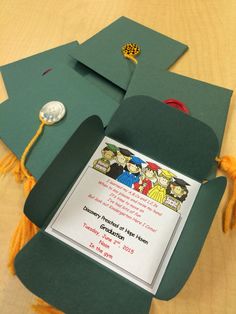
(52, 112)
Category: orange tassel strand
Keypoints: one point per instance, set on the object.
(25, 229)
(28, 148)
(24, 232)
(44, 308)
(228, 165)
(7, 163)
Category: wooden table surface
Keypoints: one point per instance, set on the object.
(208, 27)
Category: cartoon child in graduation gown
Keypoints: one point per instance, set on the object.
(158, 192)
(178, 189)
(131, 172)
(176, 193)
(108, 154)
(147, 178)
(122, 157)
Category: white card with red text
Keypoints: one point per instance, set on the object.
(126, 211)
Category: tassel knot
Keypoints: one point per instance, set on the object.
(29, 183)
(17, 172)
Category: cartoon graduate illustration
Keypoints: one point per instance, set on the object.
(158, 192)
(108, 154)
(178, 189)
(147, 178)
(122, 157)
(131, 172)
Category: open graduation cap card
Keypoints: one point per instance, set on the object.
(123, 212)
(19, 116)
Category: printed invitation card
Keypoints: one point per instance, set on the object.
(126, 211)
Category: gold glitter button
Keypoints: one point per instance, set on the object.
(130, 50)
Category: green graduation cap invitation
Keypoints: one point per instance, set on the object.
(20, 74)
(103, 54)
(19, 116)
(127, 218)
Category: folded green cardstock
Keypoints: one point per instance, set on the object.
(19, 116)
(206, 102)
(20, 74)
(102, 52)
(75, 283)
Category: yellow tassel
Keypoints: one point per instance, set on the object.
(131, 58)
(10, 163)
(228, 165)
(24, 232)
(42, 307)
(25, 229)
(28, 148)
(7, 163)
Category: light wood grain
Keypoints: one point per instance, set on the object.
(209, 29)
